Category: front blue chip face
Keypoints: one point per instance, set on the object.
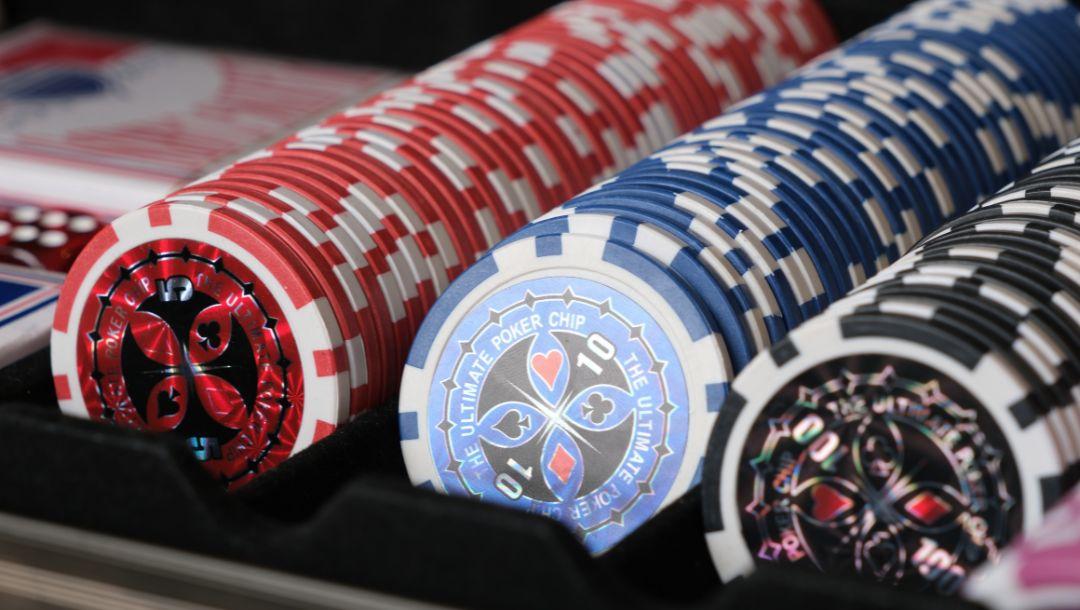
(561, 396)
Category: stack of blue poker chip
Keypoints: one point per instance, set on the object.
(761, 217)
(902, 129)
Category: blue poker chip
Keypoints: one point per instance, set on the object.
(824, 184)
(565, 375)
(960, 63)
(1018, 126)
(1022, 82)
(927, 91)
(818, 141)
(979, 128)
(1033, 43)
(749, 208)
(844, 185)
(873, 136)
(760, 323)
(668, 246)
(840, 138)
(843, 224)
(1063, 19)
(737, 273)
(849, 140)
(852, 263)
(1045, 34)
(757, 200)
(942, 172)
(925, 108)
(937, 176)
(722, 286)
(762, 250)
(1009, 88)
(805, 235)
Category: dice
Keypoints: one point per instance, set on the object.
(43, 237)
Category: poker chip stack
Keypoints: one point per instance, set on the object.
(256, 309)
(910, 432)
(1039, 572)
(576, 370)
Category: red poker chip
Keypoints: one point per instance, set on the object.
(726, 51)
(471, 220)
(607, 132)
(234, 298)
(567, 121)
(488, 192)
(330, 198)
(541, 118)
(483, 216)
(490, 186)
(503, 179)
(486, 187)
(318, 255)
(624, 78)
(665, 111)
(256, 199)
(568, 75)
(405, 311)
(589, 131)
(675, 64)
(512, 139)
(801, 31)
(820, 30)
(583, 71)
(362, 266)
(652, 62)
(428, 265)
(559, 155)
(401, 204)
(407, 153)
(312, 228)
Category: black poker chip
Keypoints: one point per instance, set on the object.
(918, 426)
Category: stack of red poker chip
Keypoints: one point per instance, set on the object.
(259, 307)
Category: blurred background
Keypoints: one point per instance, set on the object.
(406, 34)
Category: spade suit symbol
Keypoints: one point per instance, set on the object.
(513, 424)
(167, 404)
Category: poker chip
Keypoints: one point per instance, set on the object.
(619, 303)
(916, 428)
(258, 308)
(764, 217)
(177, 300)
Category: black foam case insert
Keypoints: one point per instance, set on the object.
(343, 510)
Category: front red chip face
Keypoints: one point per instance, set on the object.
(184, 338)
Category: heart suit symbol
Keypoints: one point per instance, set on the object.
(547, 366)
